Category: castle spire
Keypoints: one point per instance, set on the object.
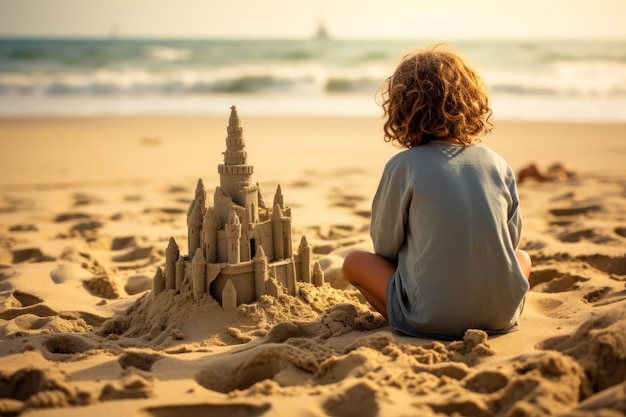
(233, 120)
(235, 145)
(278, 198)
(235, 173)
(200, 191)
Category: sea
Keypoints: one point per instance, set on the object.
(526, 80)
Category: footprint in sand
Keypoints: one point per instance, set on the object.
(348, 201)
(575, 209)
(82, 199)
(611, 265)
(29, 255)
(178, 189)
(88, 227)
(596, 295)
(26, 299)
(119, 243)
(102, 287)
(68, 344)
(620, 231)
(552, 281)
(254, 365)
(363, 213)
(23, 228)
(137, 254)
(560, 223)
(165, 210)
(590, 234)
(17, 303)
(64, 217)
(577, 235)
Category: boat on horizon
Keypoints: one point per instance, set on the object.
(322, 33)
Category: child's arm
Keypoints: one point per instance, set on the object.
(389, 214)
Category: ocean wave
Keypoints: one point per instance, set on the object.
(109, 82)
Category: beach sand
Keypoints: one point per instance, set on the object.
(87, 206)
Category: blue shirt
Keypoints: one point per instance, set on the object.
(448, 217)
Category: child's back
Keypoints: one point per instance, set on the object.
(456, 266)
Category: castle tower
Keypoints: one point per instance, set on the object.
(305, 260)
(194, 225)
(200, 191)
(198, 274)
(260, 273)
(278, 233)
(235, 174)
(278, 198)
(172, 253)
(233, 235)
(180, 272)
(158, 283)
(229, 296)
(318, 275)
(209, 236)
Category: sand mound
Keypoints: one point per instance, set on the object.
(599, 345)
(321, 311)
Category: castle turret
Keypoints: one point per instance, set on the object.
(260, 197)
(278, 198)
(305, 260)
(209, 236)
(277, 229)
(260, 272)
(180, 272)
(198, 274)
(229, 296)
(172, 253)
(194, 225)
(200, 191)
(233, 236)
(318, 275)
(158, 283)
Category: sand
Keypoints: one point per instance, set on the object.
(87, 206)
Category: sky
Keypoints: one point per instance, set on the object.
(348, 19)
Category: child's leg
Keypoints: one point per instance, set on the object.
(524, 260)
(369, 273)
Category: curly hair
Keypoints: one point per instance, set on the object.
(433, 94)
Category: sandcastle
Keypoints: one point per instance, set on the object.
(239, 249)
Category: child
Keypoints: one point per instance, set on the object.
(445, 218)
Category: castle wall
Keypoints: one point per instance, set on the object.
(264, 236)
(251, 203)
(285, 273)
(222, 247)
(242, 277)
